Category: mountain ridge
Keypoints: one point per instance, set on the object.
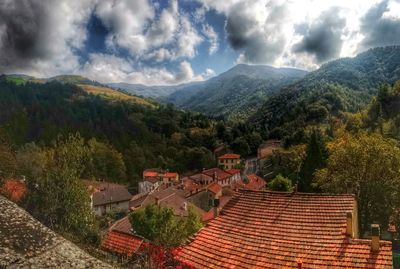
(343, 85)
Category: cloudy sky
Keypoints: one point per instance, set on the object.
(157, 42)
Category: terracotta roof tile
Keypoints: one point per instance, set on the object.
(171, 174)
(229, 156)
(150, 174)
(214, 187)
(233, 171)
(121, 243)
(277, 230)
(123, 225)
(216, 172)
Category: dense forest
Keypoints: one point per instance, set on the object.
(126, 136)
(237, 93)
(344, 85)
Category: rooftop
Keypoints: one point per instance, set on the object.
(216, 173)
(255, 183)
(277, 230)
(107, 193)
(121, 240)
(170, 198)
(26, 243)
(233, 171)
(229, 156)
(214, 187)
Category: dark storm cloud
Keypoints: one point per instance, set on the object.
(322, 38)
(23, 26)
(258, 44)
(379, 31)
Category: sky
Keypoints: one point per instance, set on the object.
(167, 42)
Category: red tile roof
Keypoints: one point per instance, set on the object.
(277, 230)
(214, 187)
(121, 240)
(233, 171)
(121, 243)
(152, 179)
(150, 174)
(190, 185)
(255, 183)
(171, 174)
(229, 156)
(216, 172)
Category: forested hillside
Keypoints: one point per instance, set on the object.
(143, 136)
(339, 86)
(237, 93)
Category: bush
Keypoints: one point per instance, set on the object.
(280, 183)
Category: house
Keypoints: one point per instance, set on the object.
(149, 184)
(229, 161)
(235, 175)
(170, 178)
(264, 229)
(171, 198)
(204, 198)
(121, 240)
(106, 197)
(153, 178)
(218, 175)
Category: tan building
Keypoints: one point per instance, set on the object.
(153, 178)
(106, 197)
(229, 161)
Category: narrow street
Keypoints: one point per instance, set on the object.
(251, 166)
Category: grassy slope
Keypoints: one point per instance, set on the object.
(114, 94)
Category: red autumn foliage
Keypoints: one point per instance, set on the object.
(163, 257)
(14, 189)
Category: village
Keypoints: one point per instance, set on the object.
(245, 223)
(206, 192)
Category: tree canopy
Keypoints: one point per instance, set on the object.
(369, 167)
(160, 225)
(280, 183)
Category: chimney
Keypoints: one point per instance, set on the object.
(216, 207)
(299, 265)
(375, 234)
(185, 206)
(157, 200)
(349, 226)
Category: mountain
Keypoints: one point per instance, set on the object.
(155, 92)
(342, 85)
(237, 93)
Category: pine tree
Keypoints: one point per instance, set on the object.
(316, 157)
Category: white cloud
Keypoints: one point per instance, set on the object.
(264, 31)
(108, 68)
(35, 40)
(212, 38)
(208, 73)
(134, 26)
(126, 21)
(47, 37)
